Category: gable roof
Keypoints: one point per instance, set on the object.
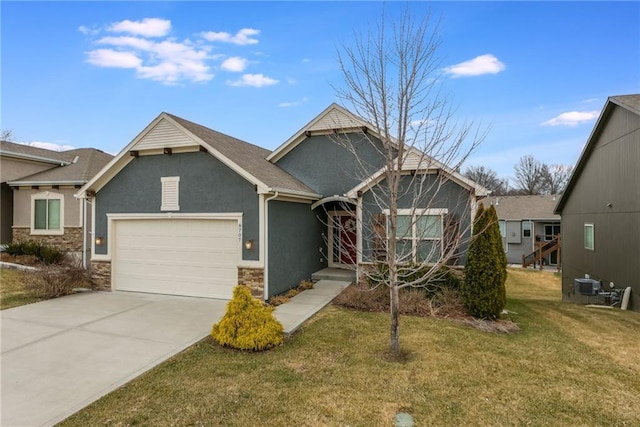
(333, 117)
(246, 159)
(336, 117)
(517, 208)
(416, 160)
(628, 102)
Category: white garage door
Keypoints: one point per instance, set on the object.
(176, 256)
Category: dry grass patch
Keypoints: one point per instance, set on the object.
(334, 372)
(13, 288)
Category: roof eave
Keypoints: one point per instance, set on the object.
(24, 156)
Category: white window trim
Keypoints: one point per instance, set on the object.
(441, 212)
(593, 236)
(47, 195)
(530, 229)
(174, 181)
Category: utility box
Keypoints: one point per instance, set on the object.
(589, 287)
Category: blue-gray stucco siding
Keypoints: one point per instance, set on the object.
(296, 245)
(432, 195)
(206, 186)
(324, 164)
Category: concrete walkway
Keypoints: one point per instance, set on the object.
(304, 305)
(60, 355)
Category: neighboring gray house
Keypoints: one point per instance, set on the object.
(38, 188)
(526, 223)
(186, 210)
(600, 207)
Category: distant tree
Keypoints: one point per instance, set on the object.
(488, 178)
(6, 135)
(556, 177)
(530, 176)
(485, 272)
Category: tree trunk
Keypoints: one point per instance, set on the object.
(395, 320)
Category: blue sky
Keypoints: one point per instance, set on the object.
(79, 74)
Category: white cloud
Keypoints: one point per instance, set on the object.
(483, 64)
(590, 100)
(255, 80)
(146, 47)
(306, 60)
(148, 27)
(572, 118)
(235, 64)
(113, 58)
(242, 37)
(293, 103)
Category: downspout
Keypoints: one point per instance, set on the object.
(266, 244)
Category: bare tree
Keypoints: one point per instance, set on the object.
(392, 80)
(530, 175)
(489, 179)
(6, 135)
(556, 177)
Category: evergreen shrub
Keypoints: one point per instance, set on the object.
(248, 324)
(483, 289)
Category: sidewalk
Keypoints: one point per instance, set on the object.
(307, 303)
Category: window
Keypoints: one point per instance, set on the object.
(588, 237)
(503, 228)
(419, 235)
(47, 213)
(526, 228)
(170, 193)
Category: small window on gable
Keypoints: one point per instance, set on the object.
(170, 193)
(589, 242)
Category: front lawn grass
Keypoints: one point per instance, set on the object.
(569, 365)
(12, 289)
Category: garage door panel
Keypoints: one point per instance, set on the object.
(176, 256)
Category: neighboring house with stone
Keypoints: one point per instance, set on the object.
(600, 207)
(526, 222)
(38, 188)
(186, 210)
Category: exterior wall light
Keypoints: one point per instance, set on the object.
(99, 240)
(248, 244)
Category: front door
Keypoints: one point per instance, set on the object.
(342, 239)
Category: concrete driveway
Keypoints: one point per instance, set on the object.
(60, 355)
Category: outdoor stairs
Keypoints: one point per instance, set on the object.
(542, 249)
(335, 274)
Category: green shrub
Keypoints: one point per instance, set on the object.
(248, 324)
(483, 290)
(45, 253)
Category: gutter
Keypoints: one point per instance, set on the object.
(32, 157)
(25, 183)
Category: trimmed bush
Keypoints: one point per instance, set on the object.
(483, 290)
(248, 324)
(45, 253)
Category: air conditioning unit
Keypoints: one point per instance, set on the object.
(589, 287)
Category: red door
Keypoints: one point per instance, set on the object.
(347, 240)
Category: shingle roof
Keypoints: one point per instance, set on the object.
(630, 102)
(80, 164)
(247, 156)
(524, 207)
(28, 151)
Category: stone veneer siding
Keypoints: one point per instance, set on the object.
(254, 279)
(70, 241)
(101, 274)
